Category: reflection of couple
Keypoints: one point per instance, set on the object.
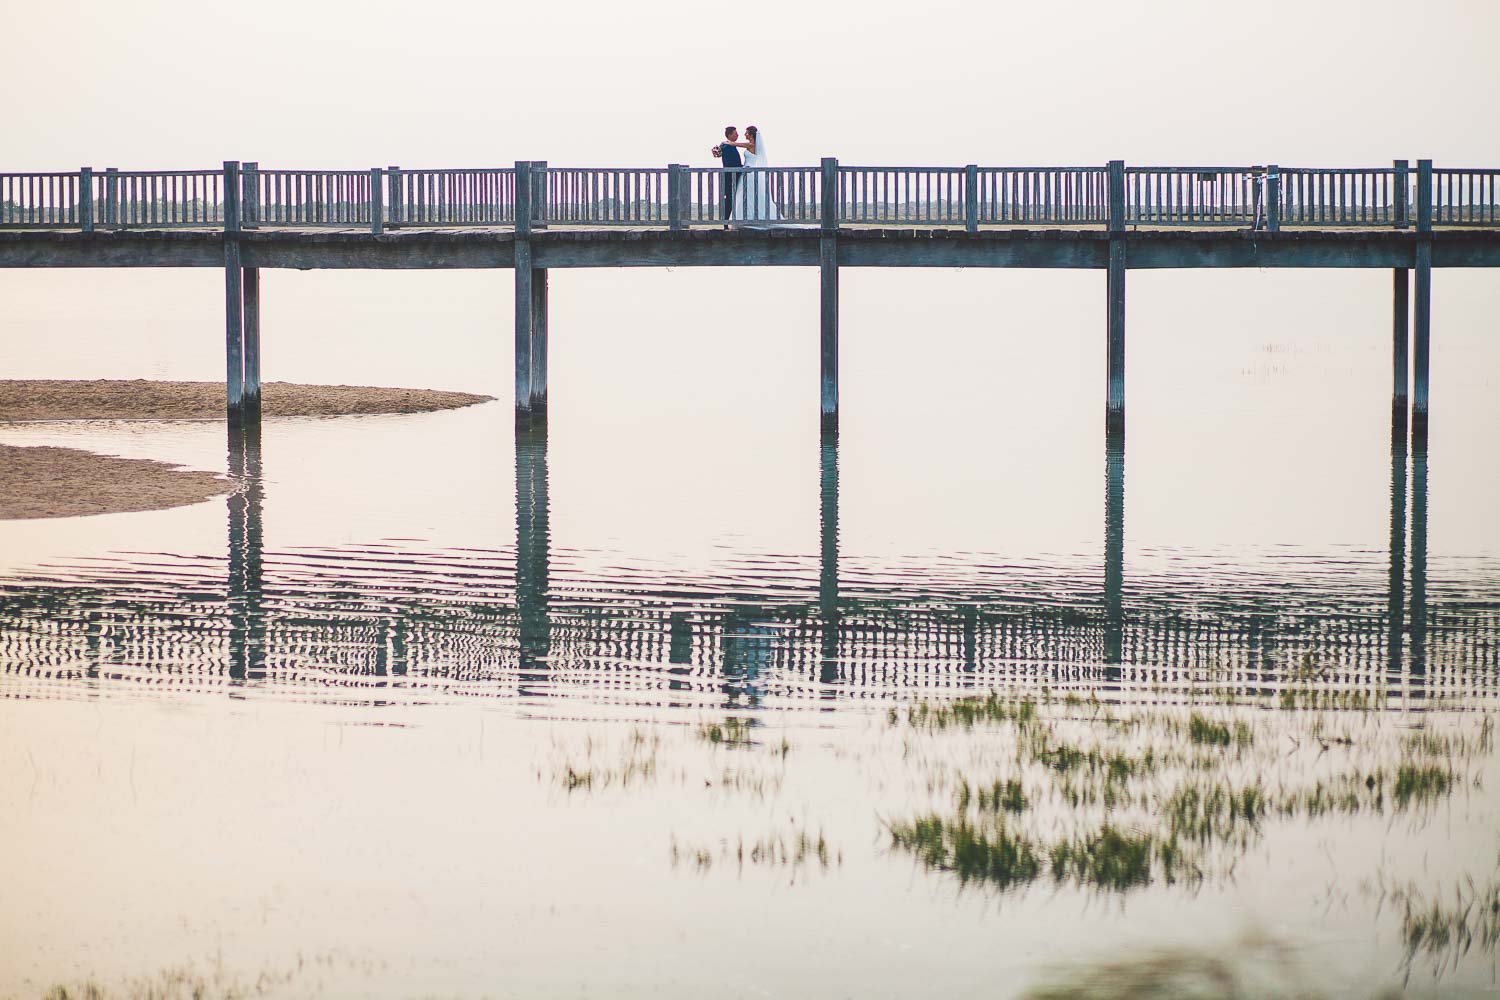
(745, 197)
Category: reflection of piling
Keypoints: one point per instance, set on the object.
(828, 561)
(1419, 560)
(532, 544)
(1396, 599)
(1114, 555)
(247, 625)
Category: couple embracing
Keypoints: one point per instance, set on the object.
(745, 196)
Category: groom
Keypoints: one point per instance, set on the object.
(731, 157)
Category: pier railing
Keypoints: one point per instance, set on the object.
(678, 197)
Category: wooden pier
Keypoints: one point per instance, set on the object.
(531, 218)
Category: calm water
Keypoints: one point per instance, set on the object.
(397, 631)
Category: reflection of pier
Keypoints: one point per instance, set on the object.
(526, 622)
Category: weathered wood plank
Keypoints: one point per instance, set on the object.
(480, 248)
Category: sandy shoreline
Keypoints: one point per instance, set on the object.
(37, 482)
(57, 399)
(66, 482)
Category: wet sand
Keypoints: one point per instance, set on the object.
(66, 482)
(52, 399)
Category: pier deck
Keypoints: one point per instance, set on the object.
(532, 218)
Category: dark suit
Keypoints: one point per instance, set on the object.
(731, 158)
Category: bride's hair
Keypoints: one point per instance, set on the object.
(751, 131)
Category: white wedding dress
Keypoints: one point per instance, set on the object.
(752, 195)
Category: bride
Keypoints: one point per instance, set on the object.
(752, 195)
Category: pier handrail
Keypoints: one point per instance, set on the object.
(677, 196)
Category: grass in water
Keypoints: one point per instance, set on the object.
(732, 732)
(794, 851)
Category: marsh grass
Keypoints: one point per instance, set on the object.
(632, 764)
(732, 732)
(1155, 795)
(793, 851)
(1444, 926)
(187, 982)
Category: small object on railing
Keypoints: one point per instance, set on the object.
(1424, 196)
(830, 207)
(377, 201)
(86, 199)
(971, 198)
(1117, 196)
(231, 196)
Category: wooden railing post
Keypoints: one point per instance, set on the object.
(250, 195)
(1273, 198)
(830, 190)
(523, 197)
(377, 200)
(538, 194)
(111, 196)
(828, 270)
(1116, 196)
(1401, 183)
(393, 199)
(676, 175)
(1424, 196)
(231, 196)
(971, 198)
(86, 199)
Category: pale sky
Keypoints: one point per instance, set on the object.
(315, 83)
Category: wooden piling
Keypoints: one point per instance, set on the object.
(524, 295)
(234, 319)
(1114, 403)
(1422, 306)
(1400, 375)
(251, 397)
(828, 266)
(538, 392)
